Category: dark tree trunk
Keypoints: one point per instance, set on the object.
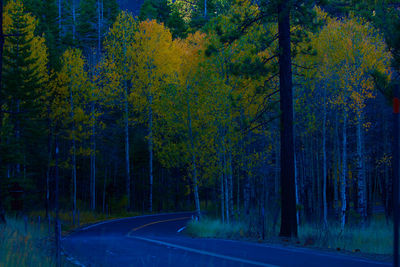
(2, 212)
(288, 197)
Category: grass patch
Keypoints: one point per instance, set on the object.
(374, 238)
(208, 228)
(33, 247)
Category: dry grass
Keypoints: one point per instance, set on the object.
(26, 248)
(374, 238)
(208, 228)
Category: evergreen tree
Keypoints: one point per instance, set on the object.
(163, 12)
(25, 74)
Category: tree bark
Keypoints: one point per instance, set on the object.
(73, 21)
(226, 184)
(230, 181)
(126, 130)
(288, 195)
(93, 161)
(2, 211)
(324, 160)
(194, 163)
(73, 155)
(222, 189)
(104, 187)
(150, 145)
(343, 181)
(361, 181)
(336, 169)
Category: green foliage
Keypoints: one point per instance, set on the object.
(24, 78)
(162, 11)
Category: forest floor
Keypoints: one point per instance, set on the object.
(373, 241)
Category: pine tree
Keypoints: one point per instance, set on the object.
(25, 74)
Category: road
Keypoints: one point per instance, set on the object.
(155, 240)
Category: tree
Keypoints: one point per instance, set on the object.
(25, 77)
(152, 51)
(71, 89)
(289, 219)
(121, 35)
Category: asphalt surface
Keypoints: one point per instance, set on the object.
(155, 241)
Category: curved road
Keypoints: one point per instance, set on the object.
(155, 240)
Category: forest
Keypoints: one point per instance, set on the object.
(251, 111)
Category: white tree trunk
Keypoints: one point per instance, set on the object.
(226, 189)
(104, 188)
(324, 162)
(194, 163)
(73, 155)
(336, 170)
(361, 188)
(150, 144)
(343, 181)
(230, 181)
(93, 161)
(74, 20)
(126, 129)
(59, 17)
(127, 166)
(222, 189)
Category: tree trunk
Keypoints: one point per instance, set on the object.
(343, 181)
(361, 185)
(49, 150)
(99, 24)
(246, 193)
(59, 18)
(73, 21)
(277, 169)
(93, 161)
(296, 186)
(194, 163)
(336, 170)
(150, 144)
(226, 185)
(73, 155)
(288, 194)
(222, 189)
(126, 124)
(127, 161)
(2, 211)
(324, 161)
(104, 187)
(230, 181)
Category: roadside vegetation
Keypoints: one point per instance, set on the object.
(81, 218)
(30, 246)
(374, 238)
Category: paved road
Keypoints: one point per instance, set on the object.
(155, 241)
